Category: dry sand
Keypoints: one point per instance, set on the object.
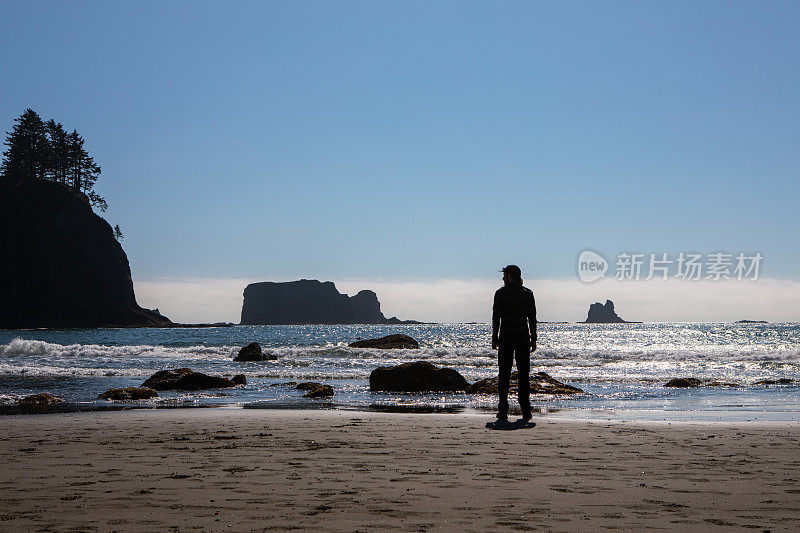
(250, 470)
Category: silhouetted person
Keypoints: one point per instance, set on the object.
(514, 336)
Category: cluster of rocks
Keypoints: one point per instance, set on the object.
(691, 382)
(422, 376)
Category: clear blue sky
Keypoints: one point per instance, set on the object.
(422, 140)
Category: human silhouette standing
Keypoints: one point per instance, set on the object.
(514, 338)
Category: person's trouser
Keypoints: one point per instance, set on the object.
(507, 352)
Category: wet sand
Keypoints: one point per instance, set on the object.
(252, 470)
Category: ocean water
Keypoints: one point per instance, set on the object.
(621, 367)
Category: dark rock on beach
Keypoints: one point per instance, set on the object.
(186, 379)
(61, 265)
(684, 382)
(418, 376)
(129, 393)
(252, 352)
(602, 314)
(389, 342)
(42, 399)
(541, 383)
(309, 301)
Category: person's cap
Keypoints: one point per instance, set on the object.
(512, 270)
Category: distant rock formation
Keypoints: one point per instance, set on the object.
(602, 314)
(389, 342)
(310, 301)
(60, 264)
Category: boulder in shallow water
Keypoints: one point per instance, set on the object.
(252, 352)
(239, 379)
(186, 379)
(389, 342)
(42, 399)
(683, 382)
(541, 383)
(323, 391)
(129, 393)
(418, 376)
(308, 385)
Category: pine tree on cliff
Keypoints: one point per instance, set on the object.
(38, 150)
(27, 152)
(57, 163)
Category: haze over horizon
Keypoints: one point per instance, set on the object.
(415, 148)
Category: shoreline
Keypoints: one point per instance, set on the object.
(327, 470)
(559, 414)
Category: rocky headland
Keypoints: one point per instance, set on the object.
(62, 266)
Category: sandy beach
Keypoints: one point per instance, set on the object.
(250, 470)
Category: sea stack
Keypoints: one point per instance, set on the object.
(603, 314)
(61, 265)
(309, 301)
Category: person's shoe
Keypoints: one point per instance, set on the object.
(502, 416)
(527, 415)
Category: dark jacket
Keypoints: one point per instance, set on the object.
(513, 314)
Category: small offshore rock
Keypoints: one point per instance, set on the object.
(417, 376)
(683, 382)
(323, 391)
(129, 393)
(239, 379)
(185, 379)
(287, 384)
(389, 342)
(41, 399)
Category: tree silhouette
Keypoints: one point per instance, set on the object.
(39, 150)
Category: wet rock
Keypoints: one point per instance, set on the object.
(129, 393)
(41, 399)
(239, 379)
(390, 342)
(323, 391)
(308, 385)
(186, 379)
(251, 352)
(541, 383)
(780, 381)
(717, 383)
(416, 377)
(287, 384)
(683, 382)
